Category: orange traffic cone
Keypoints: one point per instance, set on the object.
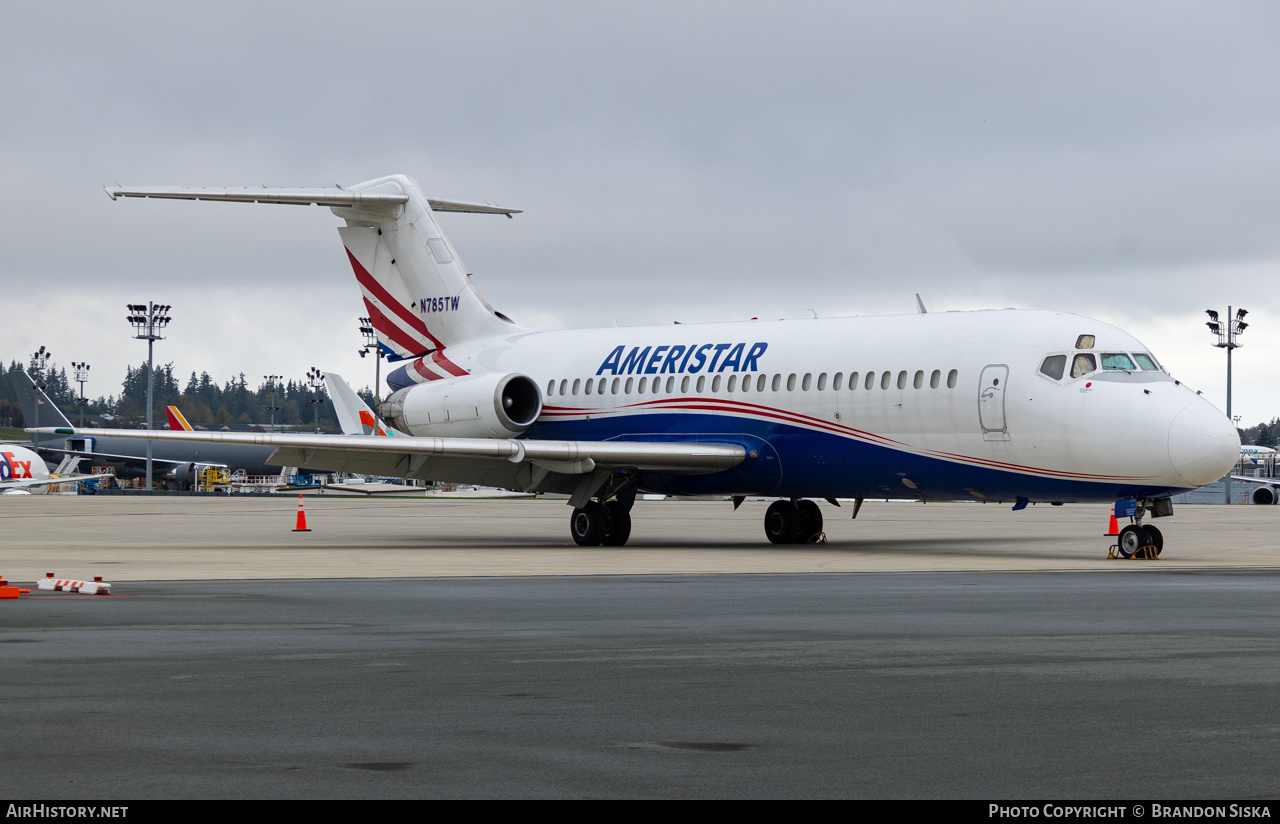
(302, 517)
(1113, 529)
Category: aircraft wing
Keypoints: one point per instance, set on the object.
(27, 483)
(531, 465)
(108, 457)
(1249, 479)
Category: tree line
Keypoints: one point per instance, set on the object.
(202, 400)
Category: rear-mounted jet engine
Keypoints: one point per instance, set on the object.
(476, 406)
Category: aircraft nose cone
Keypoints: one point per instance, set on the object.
(1203, 444)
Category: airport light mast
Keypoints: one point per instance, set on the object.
(371, 345)
(149, 320)
(39, 359)
(80, 374)
(1228, 332)
(316, 381)
(271, 386)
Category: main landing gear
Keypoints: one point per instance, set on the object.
(597, 524)
(793, 522)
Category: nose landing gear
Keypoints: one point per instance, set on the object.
(1138, 541)
(1143, 542)
(793, 522)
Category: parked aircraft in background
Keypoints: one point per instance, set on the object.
(1020, 406)
(24, 472)
(175, 462)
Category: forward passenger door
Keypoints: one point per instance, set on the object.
(995, 379)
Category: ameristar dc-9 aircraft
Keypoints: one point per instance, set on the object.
(1000, 406)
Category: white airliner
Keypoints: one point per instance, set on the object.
(1017, 406)
(23, 472)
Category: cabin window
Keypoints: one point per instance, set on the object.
(806, 381)
(564, 386)
(746, 383)
(777, 382)
(1117, 360)
(822, 381)
(919, 379)
(935, 379)
(671, 385)
(702, 383)
(1146, 362)
(1054, 366)
(577, 383)
(551, 388)
(630, 385)
(791, 382)
(853, 381)
(885, 380)
(586, 390)
(733, 383)
(715, 384)
(684, 385)
(644, 383)
(902, 379)
(1084, 342)
(837, 380)
(951, 379)
(1083, 365)
(760, 384)
(613, 388)
(657, 385)
(871, 380)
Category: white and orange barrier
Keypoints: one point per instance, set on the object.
(94, 587)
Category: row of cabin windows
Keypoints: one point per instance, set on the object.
(748, 383)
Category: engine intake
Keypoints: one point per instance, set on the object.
(476, 406)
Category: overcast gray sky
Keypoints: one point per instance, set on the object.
(691, 161)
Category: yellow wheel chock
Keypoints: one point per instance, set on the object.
(1144, 553)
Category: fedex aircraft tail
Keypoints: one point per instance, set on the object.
(416, 290)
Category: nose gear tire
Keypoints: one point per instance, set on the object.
(1131, 539)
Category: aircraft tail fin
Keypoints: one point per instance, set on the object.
(29, 395)
(417, 292)
(177, 422)
(354, 415)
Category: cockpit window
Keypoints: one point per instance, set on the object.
(1083, 365)
(1147, 363)
(1054, 366)
(1117, 360)
(1084, 342)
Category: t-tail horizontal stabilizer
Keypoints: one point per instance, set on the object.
(418, 294)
